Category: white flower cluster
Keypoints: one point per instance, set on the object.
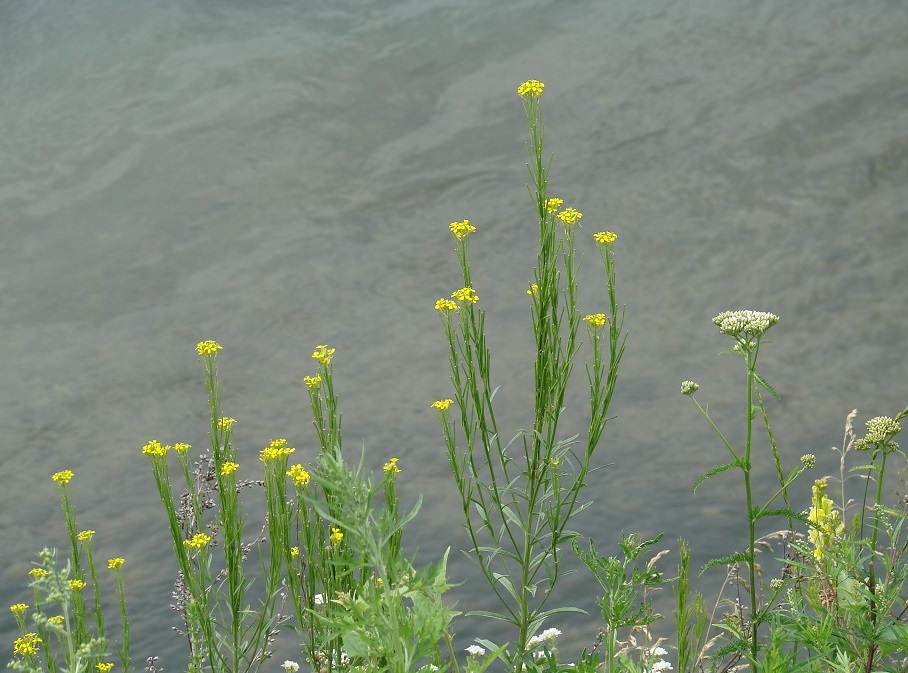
(660, 664)
(879, 431)
(745, 323)
(689, 387)
(290, 666)
(549, 636)
(475, 651)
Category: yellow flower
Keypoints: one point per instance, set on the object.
(445, 305)
(154, 449)
(38, 573)
(391, 467)
(76, 585)
(312, 381)
(104, 667)
(63, 477)
(551, 205)
(336, 535)
(569, 215)
(85, 535)
(225, 423)
(181, 448)
(299, 475)
(323, 354)
(208, 347)
(294, 552)
(441, 405)
(605, 237)
(197, 541)
(827, 521)
(57, 619)
(467, 294)
(115, 563)
(27, 645)
(228, 468)
(277, 449)
(532, 87)
(18, 608)
(533, 290)
(595, 319)
(461, 229)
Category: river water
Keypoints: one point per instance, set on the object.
(275, 175)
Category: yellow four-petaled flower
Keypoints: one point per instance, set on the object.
(197, 541)
(323, 354)
(442, 405)
(466, 294)
(63, 477)
(391, 468)
(461, 229)
(605, 237)
(299, 475)
(206, 348)
(532, 87)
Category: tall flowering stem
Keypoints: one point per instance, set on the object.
(517, 506)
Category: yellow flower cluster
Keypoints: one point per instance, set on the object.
(595, 319)
(104, 667)
(115, 563)
(467, 294)
(276, 450)
(445, 305)
(63, 477)
(605, 237)
(76, 585)
(155, 449)
(298, 474)
(441, 405)
(569, 216)
(38, 573)
(294, 552)
(197, 541)
(827, 522)
(182, 448)
(312, 381)
(323, 354)
(532, 87)
(336, 535)
(533, 290)
(228, 468)
(27, 645)
(18, 608)
(391, 467)
(551, 205)
(208, 347)
(461, 229)
(56, 619)
(226, 423)
(85, 535)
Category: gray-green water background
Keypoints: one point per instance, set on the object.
(274, 175)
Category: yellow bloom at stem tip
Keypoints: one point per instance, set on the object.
(466, 294)
(570, 215)
(205, 348)
(294, 552)
(336, 535)
(27, 645)
(115, 563)
(323, 354)
(605, 237)
(445, 305)
(595, 319)
(533, 290)
(155, 449)
(38, 573)
(63, 477)
(197, 541)
(276, 450)
(104, 667)
(18, 608)
(532, 87)
(298, 475)
(312, 381)
(461, 229)
(225, 423)
(57, 619)
(551, 205)
(391, 467)
(76, 585)
(85, 535)
(442, 405)
(182, 448)
(228, 468)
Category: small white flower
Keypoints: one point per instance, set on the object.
(689, 387)
(658, 652)
(661, 666)
(475, 651)
(290, 666)
(319, 599)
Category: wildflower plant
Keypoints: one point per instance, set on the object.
(518, 497)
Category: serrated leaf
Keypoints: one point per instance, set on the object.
(713, 472)
(737, 557)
